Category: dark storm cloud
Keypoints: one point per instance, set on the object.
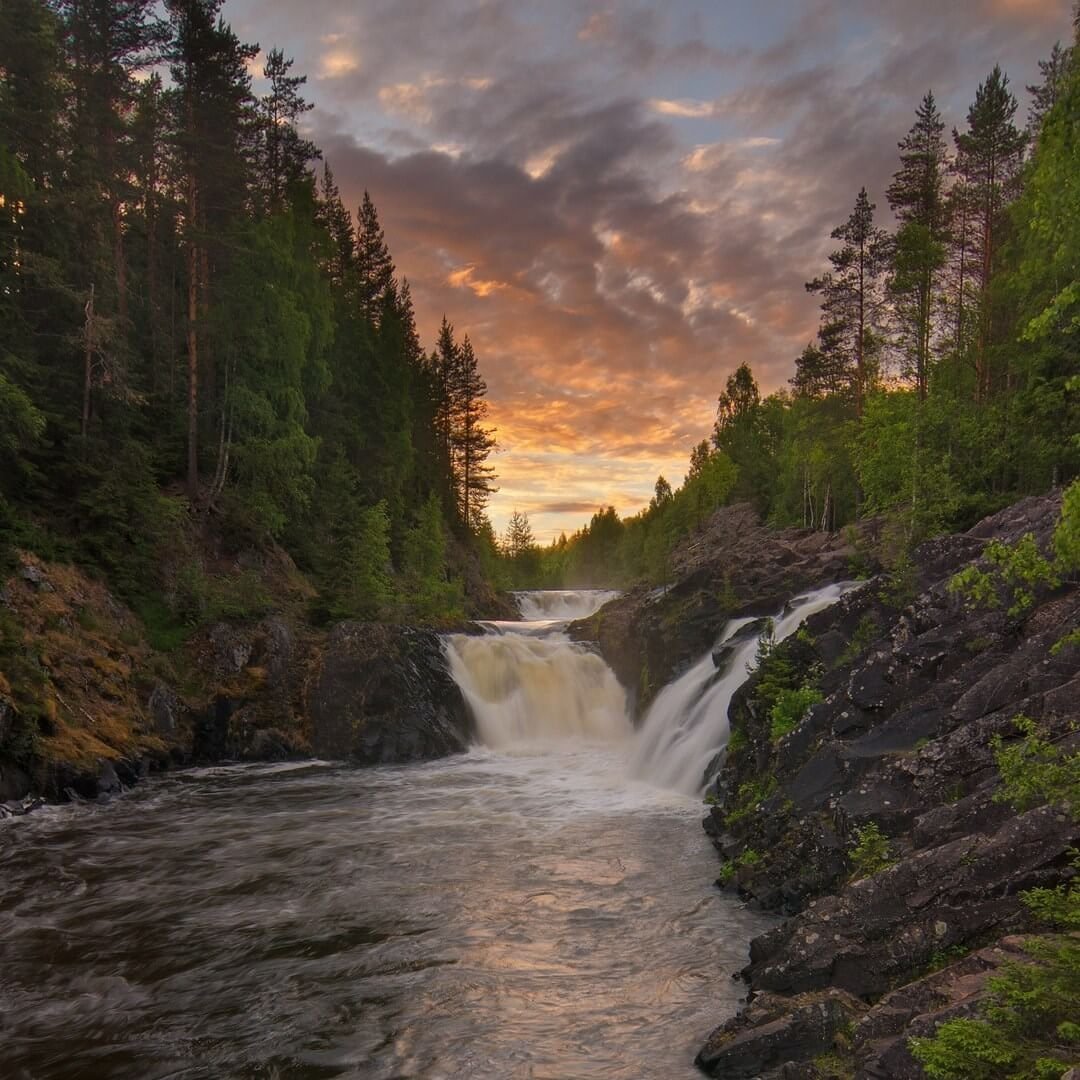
(616, 204)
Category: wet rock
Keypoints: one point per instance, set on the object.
(772, 1031)
(384, 694)
(735, 566)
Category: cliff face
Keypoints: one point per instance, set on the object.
(915, 685)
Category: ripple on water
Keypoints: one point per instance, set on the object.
(532, 914)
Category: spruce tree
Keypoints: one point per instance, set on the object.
(374, 265)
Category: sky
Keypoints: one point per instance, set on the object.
(620, 202)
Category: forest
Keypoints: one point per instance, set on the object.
(203, 352)
(944, 379)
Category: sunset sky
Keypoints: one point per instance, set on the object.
(620, 202)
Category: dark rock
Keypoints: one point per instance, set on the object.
(164, 708)
(916, 1009)
(15, 783)
(877, 928)
(734, 567)
(772, 1031)
(385, 694)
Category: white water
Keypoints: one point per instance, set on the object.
(687, 725)
(526, 689)
(562, 605)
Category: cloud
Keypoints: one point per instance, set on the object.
(683, 108)
(542, 179)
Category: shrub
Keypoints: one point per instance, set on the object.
(790, 708)
(870, 852)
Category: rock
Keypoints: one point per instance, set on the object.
(232, 648)
(880, 1038)
(33, 575)
(15, 783)
(734, 567)
(384, 694)
(771, 1032)
(164, 708)
(880, 927)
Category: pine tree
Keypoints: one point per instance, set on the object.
(851, 292)
(916, 197)
(472, 442)
(990, 155)
(213, 120)
(283, 155)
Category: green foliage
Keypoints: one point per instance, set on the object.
(750, 795)
(871, 851)
(1016, 572)
(1067, 532)
(864, 636)
(429, 592)
(202, 598)
(1035, 770)
(790, 708)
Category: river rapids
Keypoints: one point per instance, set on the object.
(537, 908)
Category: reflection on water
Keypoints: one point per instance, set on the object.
(515, 915)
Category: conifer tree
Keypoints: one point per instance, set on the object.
(1046, 94)
(851, 292)
(282, 154)
(990, 155)
(472, 441)
(916, 197)
(374, 265)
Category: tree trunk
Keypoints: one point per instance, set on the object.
(88, 362)
(193, 346)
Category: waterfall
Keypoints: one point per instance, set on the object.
(687, 725)
(562, 605)
(528, 682)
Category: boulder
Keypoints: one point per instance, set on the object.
(384, 694)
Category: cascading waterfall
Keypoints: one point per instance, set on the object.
(562, 605)
(687, 725)
(528, 682)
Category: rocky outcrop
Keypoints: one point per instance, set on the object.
(735, 566)
(383, 694)
(916, 686)
(87, 707)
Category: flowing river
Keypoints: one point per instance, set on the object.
(536, 908)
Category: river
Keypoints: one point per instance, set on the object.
(527, 910)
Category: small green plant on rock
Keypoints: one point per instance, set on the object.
(790, 708)
(871, 851)
(750, 794)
